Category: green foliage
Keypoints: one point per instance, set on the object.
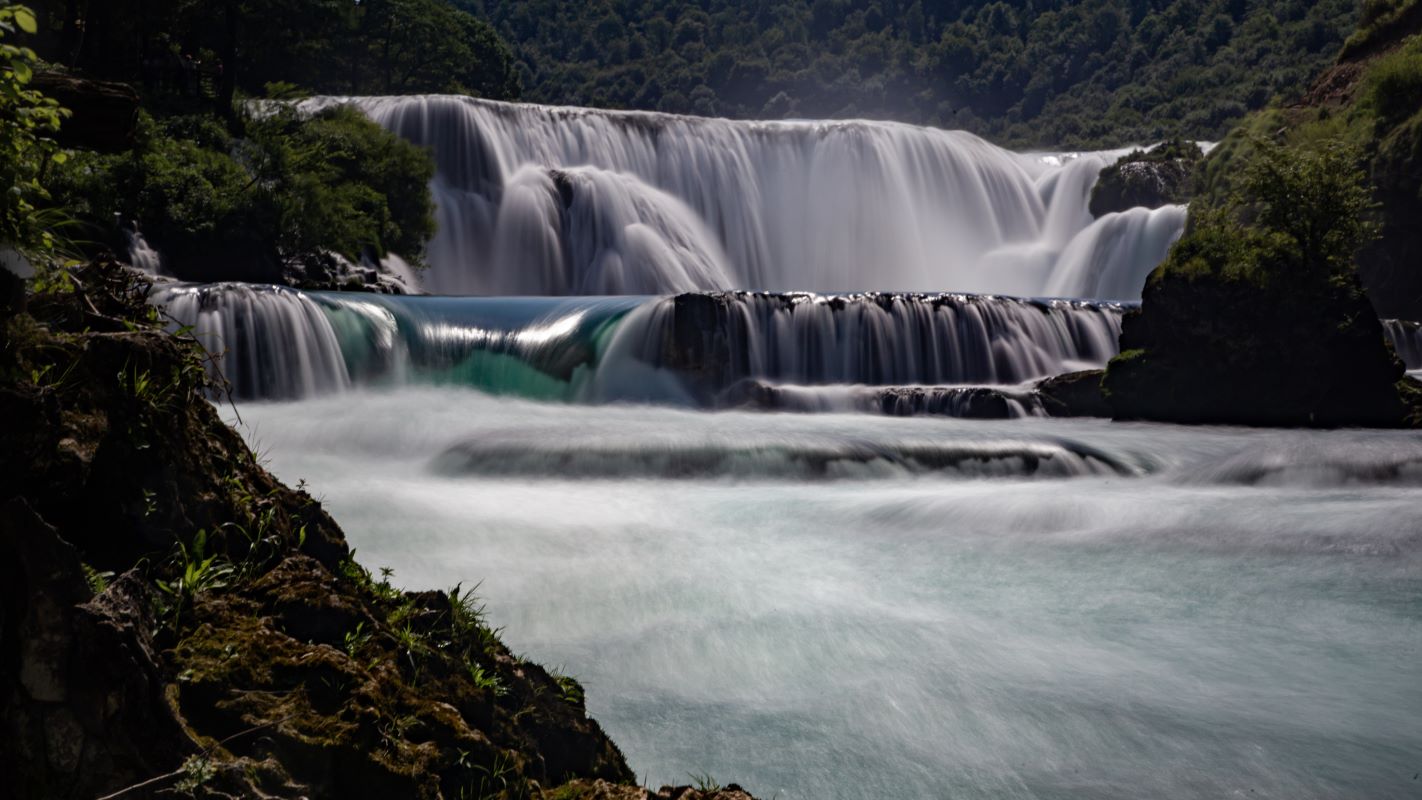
(1214, 340)
(1318, 199)
(196, 573)
(98, 581)
(197, 772)
(28, 120)
(1299, 217)
(1044, 72)
(569, 688)
(1393, 86)
(346, 184)
(485, 679)
(1378, 113)
(294, 187)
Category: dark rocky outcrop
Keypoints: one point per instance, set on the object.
(1147, 178)
(104, 114)
(240, 651)
(1221, 349)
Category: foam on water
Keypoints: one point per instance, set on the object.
(1233, 612)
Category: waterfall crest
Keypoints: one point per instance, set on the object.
(546, 200)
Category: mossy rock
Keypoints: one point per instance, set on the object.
(1153, 178)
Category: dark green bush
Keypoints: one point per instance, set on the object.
(292, 188)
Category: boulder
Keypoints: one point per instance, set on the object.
(1075, 394)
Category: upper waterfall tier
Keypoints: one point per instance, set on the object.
(567, 201)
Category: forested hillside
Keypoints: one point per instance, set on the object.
(330, 46)
(1026, 72)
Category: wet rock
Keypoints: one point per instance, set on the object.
(1076, 394)
(601, 790)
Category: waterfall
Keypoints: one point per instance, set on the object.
(1406, 338)
(280, 343)
(890, 353)
(277, 343)
(266, 341)
(141, 254)
(882, 340)
(545, 200)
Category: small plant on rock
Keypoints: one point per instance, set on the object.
(197, 573)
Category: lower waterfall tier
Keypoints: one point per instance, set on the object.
(896, 353)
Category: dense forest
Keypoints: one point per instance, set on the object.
(1023, 73)
(256, 46)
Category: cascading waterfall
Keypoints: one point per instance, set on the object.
(278, 343)
(545, 200)
(718, 340)
(1406, 338)
(270, 342)
(141, 254)
(690, 349)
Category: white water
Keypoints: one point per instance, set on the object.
(846, 606)
(279, 343)
(1406, 338)
(270, 341)
(141, 254)
(546, 200)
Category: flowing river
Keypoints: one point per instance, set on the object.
(856, 606)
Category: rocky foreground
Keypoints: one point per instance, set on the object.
(173, 619)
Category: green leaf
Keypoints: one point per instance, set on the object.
(22, 70)
(25, 18)
(59, 157)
